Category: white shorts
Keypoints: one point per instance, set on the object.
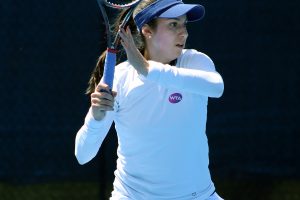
(214, 196)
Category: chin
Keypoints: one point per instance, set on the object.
(178, 53)
(172, 55)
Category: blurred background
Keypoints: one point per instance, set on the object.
(49, 48)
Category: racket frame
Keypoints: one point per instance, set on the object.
(112, 43)
(110, 60)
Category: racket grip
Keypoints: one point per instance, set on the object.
(109, 67)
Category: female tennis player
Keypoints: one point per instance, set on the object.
(159, 106)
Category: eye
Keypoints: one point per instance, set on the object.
(173, 24)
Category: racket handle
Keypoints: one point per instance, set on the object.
(109, 67)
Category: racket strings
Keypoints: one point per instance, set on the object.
(121, 4)
(115, 19)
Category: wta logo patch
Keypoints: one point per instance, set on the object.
(175, 98)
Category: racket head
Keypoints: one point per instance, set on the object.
(121, 4)
(109, 9)
(108, 28)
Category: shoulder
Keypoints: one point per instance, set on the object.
(121, 72)
(191, 58)
(123, 69)
(194, 54)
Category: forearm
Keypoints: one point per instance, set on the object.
(90, 137)
(208, 83)
(137, 60)
(134, 56)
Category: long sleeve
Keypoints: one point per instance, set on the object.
(197, 75)
(90, 137)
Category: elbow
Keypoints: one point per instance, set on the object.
(218, 88)
(84, 155)
(79, 151)
(81, 160)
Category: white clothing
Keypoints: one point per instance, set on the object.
(214, 196)
(160, 122)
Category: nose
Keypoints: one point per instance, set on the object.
(183, 31)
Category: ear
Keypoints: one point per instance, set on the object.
(147, 31)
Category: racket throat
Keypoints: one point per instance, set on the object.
(122, 25)
(112, 50)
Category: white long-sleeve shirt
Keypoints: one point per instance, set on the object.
(160, 122)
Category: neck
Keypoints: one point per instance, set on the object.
(148, 56)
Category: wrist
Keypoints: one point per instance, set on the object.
(145, 70)
(98, 115)
(137, 60)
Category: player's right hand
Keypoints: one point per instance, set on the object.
(102, 100)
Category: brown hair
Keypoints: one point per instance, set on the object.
(139, 40)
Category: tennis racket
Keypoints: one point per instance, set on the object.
(112, 35)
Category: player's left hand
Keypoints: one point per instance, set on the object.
(135, 58)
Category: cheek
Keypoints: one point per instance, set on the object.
(163, 40)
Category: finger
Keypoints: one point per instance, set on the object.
(124, 38)
(127, 33)
(102, 95)
(101, 103)
(128, 30)
(103, 108)
(102, 86)
(122, 33)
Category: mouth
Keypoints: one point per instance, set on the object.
(180, 46)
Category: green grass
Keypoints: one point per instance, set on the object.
(228, 189)
(265, 189)
(50, 191)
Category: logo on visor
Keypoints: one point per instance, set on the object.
(175, 98)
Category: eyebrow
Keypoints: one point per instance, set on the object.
(175, 18)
